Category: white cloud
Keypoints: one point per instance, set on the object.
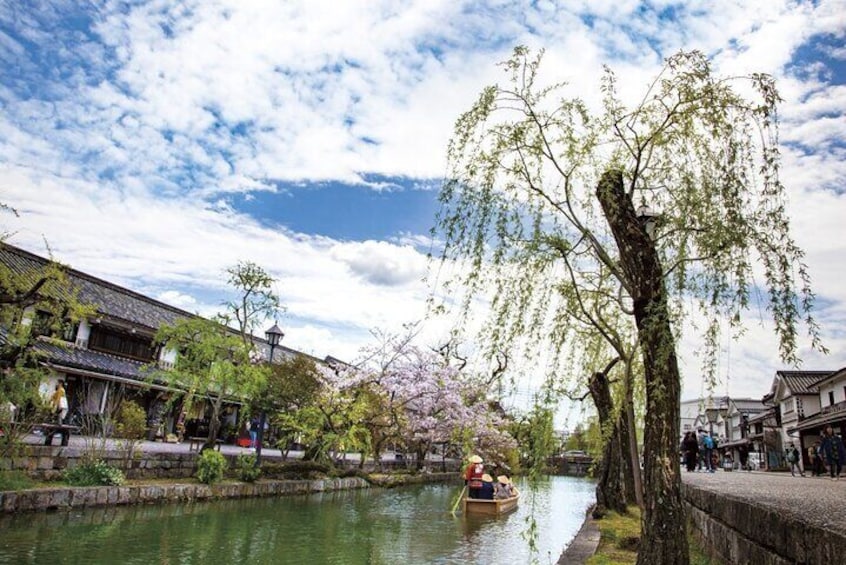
(120, 163)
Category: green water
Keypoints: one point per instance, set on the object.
(399, 526)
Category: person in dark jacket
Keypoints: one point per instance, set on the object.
(690, 446)
(487, 490)
(835, 453)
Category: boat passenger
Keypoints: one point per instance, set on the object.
(503, 488)
(473, 476)
(487, 490)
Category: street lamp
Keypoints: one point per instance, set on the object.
(648, 218)
(273, 335)
(712, 414)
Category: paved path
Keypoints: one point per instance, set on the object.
(816, 500)
(83, 442)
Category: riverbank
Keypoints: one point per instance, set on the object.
(161, 492)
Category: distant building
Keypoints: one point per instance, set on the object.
(108, 357)
(830, 400)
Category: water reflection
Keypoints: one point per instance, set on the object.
(409, 525)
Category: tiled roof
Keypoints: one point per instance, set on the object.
(95, 361)
(109, 299)
(748, 405)
(802, 382)
(116, 303)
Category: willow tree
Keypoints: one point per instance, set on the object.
(542, 199)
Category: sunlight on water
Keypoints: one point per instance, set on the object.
(409, 525)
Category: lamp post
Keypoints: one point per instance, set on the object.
(648, 218)
(273, 335)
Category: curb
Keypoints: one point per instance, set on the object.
(584, 544)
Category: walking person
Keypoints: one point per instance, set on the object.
(743, 455)
(254, 428)
(690, 446)
(792, 456)
(815, 457)
(59, 402)
(835, 453)
(708, 444)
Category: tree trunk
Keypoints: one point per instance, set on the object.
(663, 535)
(611, 485)
(629, 438)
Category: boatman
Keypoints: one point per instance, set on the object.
(473, 476)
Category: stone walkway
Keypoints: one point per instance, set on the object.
(815, 500)
(818, 501)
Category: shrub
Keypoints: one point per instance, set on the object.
(296, 470)
(247, 469)
(94, 473)
(130, 421)
(210, 466)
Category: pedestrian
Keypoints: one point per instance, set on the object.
(254, 428)
(690, 446)
(819, 464)
(792, 455)
(708, 444)
(835, 454)
(59, 402)
(743, 455)
(473, 476)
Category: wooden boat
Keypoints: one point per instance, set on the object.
(490, 507)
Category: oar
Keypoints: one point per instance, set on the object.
(458, 500)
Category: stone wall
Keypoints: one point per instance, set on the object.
(46, 463)
(64, 498)
(738, 531)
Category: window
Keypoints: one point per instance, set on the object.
(120, 343)
(831, 398)
(47, 324)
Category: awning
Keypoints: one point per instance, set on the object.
(818, 421)
(735, 443)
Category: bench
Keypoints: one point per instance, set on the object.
(195, 443)
(63, 430)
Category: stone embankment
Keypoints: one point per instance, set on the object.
(768, 518)
(65, 498)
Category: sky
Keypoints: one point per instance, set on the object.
(156, 143)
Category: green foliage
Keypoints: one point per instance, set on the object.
(130, 421)
(256, 299)
(94, 473)
(15, 480)
(211, 466)
(291, 384)
(213, 362)
(35, 300)
(246, 468)
(520, 207)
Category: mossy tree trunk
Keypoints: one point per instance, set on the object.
(612, 487)
(663, 524)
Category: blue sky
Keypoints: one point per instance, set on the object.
(155, 143)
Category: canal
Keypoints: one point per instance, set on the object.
(410, 525)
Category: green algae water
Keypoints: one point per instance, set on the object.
(409, 525)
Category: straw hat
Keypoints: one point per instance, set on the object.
(487, 478)
(475, 459)
(503, 479)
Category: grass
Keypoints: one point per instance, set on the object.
(619, 537)
(15, 480)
